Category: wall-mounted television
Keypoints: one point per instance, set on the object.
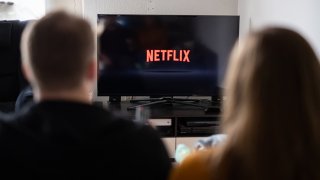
(164, 55)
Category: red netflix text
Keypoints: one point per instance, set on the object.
(168, 55)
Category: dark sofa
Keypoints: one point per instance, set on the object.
(11, 78)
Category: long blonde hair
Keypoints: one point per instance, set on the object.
(272, 109)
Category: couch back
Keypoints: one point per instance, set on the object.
(11, 78)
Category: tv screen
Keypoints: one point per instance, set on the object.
(164, 55)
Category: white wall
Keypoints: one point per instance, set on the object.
(74, 6)
(301, 15)
(23, 10)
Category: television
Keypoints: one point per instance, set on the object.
(164, 55)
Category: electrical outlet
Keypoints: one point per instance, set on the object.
(8, 3)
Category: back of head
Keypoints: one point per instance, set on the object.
(58, 49)
(272, 108)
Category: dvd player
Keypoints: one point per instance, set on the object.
(197, 126)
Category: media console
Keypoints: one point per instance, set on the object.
(177, 124)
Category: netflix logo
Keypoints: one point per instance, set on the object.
(168, 55)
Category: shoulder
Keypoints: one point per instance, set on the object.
(13, 117)
(137, 134)
(11, 130)
(11, 122)
(141, 143)
(194, 166)
(131, 127)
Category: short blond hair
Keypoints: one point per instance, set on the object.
(58, 48)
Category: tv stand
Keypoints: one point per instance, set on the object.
(168, 101)
(176, 124)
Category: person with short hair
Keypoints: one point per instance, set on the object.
(62, 135)
(271, 113)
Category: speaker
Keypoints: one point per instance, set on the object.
(114, 99)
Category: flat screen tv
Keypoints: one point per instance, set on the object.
(164, 55)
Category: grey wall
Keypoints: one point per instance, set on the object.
(301, 15)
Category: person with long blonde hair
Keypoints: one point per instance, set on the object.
(271, 113)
